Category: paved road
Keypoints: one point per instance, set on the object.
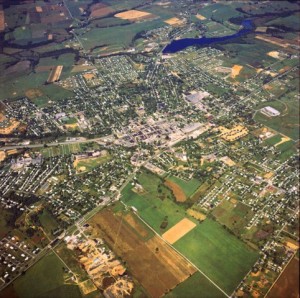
(52, 144)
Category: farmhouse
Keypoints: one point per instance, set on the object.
(270, 112)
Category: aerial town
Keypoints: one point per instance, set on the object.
(149, 148)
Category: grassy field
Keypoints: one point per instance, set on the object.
(122, 5)
(234, 216)
(71, 259)
(273, 140)
(195, 286)
(287, 122)
(153, 205)
(292, 21)
(221, 12)
(117, 37)
(45, 279)
(61, 150)
(188, 187)
(48, 222)
(91, 163)
(18, 87)
(4, 228)
(219, 254)
(249, 51)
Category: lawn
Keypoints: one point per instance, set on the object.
(155, 204)
(219, 254)
(196, 286)
(45, 280)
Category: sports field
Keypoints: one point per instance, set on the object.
(219, 254)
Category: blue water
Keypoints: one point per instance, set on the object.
(181, 44)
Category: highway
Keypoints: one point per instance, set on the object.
(52, 144)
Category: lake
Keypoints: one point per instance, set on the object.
(181, 44)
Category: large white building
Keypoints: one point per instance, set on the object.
(270, 112)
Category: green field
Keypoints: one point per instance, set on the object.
(46, 280)
(61, 150)
(91, 163)
(188, 187)
(18, 87)
(248, 51)
(219, 254)
(287, 122)
(273, 140)
(234, 216)
(117, 37)
(292, 21)
(71, 259)
(194, 287)
(48, 222)
(221, 11)
(153, 205)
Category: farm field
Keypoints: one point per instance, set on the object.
(45, 279)
(117, 37)
(248, 52)
(21, 85)
(155, 204)
(220, 11)
(210, 246)
(288, 283)
(179, 230)
(151, 262)
(188, 187)
(196, 286)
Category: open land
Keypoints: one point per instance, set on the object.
(134, 15)
(288, 282)
(179, 230)
(152, 262)
(46, 278)
(210, 246)
(198, 194)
